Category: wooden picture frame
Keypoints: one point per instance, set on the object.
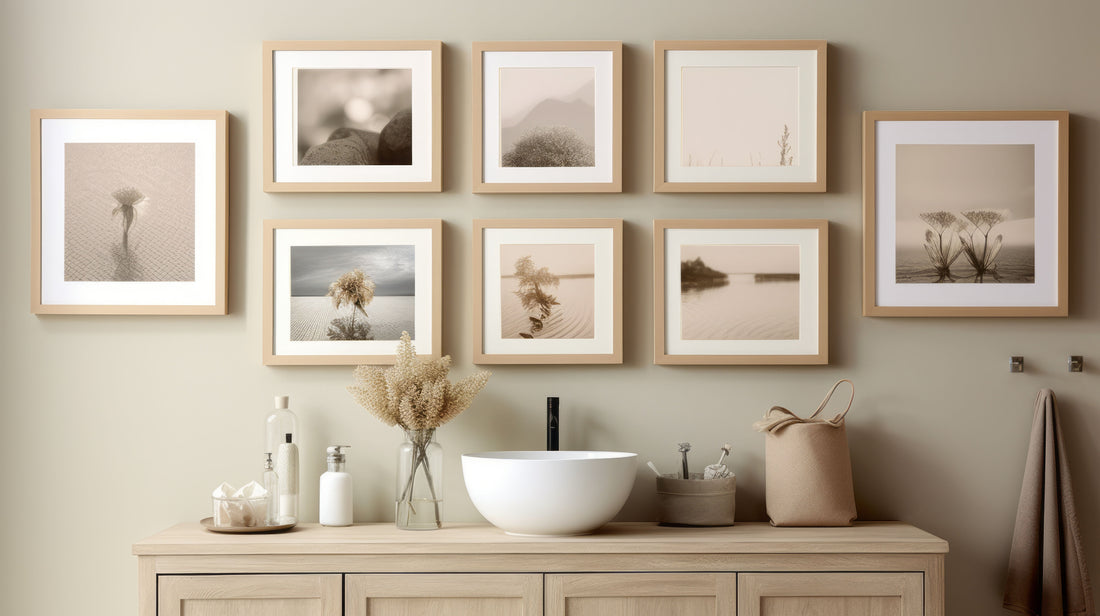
(741, 292)
(739, 116)
(988, 191)
(547, 117)
(563, 302)
(402, 263)
(129, 212)
(353, 116)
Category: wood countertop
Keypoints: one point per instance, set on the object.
(616, 538)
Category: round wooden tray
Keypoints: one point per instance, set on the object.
(208, 524)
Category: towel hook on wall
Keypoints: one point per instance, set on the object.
(1016, 363)
(1076, 363)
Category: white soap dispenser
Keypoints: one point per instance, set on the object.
(336, 490)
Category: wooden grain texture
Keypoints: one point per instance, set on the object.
(451, 594)
(830, 594)
(250, 595)
(630, 594)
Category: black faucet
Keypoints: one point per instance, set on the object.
(552, 424)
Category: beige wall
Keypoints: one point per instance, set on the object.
(112, 428)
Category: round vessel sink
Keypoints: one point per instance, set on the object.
(549, 493)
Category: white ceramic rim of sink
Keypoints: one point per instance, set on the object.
(550, 456)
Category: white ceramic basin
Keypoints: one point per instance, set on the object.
(549, 493)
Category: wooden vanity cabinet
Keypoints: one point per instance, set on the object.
(870, 569)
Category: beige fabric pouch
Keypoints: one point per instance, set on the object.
(808, 471)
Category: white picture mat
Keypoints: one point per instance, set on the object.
(805, 169)
(602, 342)
(604, 64)
(284, 70)
(55, 289)
(808, 285)
(1043, 134)
(284, 239)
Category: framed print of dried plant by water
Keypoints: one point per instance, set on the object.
(739, 116)
(741, 291)
(128, 212)
(547, 117)
(352, 116)
(965, 213)
(342, 291)
(548, 291)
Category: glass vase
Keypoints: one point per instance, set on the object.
(419, 482)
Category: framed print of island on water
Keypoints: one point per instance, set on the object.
(739, 116)
(548, 291)
(342, 291)
(965, 213)
(352, 116)
(547, 117)
(741, 291)
(128, 212)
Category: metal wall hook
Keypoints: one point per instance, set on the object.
(1016, 363)
(1076, 363)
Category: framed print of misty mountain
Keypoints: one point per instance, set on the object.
(739, 116)
(965, 213)
(547, 117)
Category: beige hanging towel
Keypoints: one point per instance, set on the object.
(1047, 575)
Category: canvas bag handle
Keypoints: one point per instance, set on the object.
(779, 417)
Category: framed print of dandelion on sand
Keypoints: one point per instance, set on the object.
(739, 116)
(548, 291)
(353, 116)
(128, 212)
(343, 291)
(547, 117)
(741, 292)
(965, 213)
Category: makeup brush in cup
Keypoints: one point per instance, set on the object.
(684, 449)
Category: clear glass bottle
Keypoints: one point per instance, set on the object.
(281, 438)
(419, 502)
(271, 484)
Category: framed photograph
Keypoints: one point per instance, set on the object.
(342, 291)
(548, 291)
(344, 116)
(739, 116)
(965, 213)
(547, 117)
(128, 212)
(741, 291)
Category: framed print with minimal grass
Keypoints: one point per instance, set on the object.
(342, 291)
(739, 116)
(547, 117)
(548, 291)
(741, 291)
(352, 116)
(128, 212)
(965, 213)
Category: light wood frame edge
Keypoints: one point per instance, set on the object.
(273, 186)
(661, 357)
(660, 183)
(272, 225)
(221, 214)
(479, 225)
(616, 183)
(870, 306)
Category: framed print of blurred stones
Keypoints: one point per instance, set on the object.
(739, 116)
(547, 117)
(128, 212)
(741, 291)
(343, 116)
(343, 291)
(965, 213)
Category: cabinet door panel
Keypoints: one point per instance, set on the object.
(249, 595)
(640, 594)
(429, 594)
(830, 594)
